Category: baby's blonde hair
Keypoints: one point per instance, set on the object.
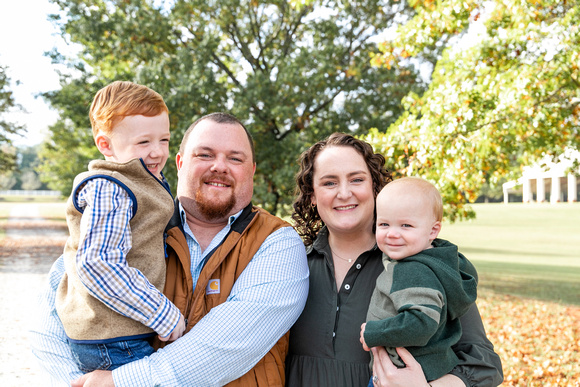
(422, 187)
(121, 99)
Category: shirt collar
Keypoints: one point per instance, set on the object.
(183, 217)
(321, 246)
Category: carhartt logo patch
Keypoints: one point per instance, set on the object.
(213, 287)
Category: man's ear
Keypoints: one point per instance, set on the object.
(103, 143)
(435, 230)
(178, 161)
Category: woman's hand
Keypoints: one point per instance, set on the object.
(412, 375)
(391, 376)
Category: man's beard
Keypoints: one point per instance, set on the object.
(212, 210)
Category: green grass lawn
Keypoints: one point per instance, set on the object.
(529, 250)
(48, 208)
(30, 198)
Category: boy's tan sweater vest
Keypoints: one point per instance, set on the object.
(226, 263)
(84, 317)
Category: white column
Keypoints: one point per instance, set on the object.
(527, 191)
(506, 195)
(572, 190)
(555, 190)
(540, 190)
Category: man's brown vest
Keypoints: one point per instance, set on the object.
(226, 263)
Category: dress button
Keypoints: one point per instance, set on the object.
(347, 287)
(358, 266)
(333, 334)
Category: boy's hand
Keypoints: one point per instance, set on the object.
(177, 331)
(362, 337)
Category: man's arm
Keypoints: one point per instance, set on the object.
(48, 340)
(264, 303)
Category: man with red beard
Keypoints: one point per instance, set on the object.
(215, 173)
(238, 274)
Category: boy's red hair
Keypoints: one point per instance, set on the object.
(121, 99)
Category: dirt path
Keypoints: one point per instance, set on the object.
(26, 253)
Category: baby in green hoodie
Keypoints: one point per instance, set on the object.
(426, 285)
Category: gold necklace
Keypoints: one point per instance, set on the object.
(338, 256)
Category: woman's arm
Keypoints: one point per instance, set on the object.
(478, 365)
(447, 381)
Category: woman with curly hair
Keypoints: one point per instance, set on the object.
(334, 212)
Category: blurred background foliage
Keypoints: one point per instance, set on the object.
(462, 93)
(7, 128)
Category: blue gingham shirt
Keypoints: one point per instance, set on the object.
(264, 303)
(101, 264)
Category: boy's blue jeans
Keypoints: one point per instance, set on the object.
(90, 357)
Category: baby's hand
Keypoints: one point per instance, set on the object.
(177, 331)
(362, 337)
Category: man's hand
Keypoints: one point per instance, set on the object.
(98, 378)
(177, 331)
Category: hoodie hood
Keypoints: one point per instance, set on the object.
(454, 271)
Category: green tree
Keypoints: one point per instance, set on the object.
(30, 181)
(292, 71)
(69, 147)
(7, 180)
(26, 172)
(504, 92)
(7, 129)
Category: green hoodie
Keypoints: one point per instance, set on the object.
(417, 303)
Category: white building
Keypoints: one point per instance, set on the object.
(554, 179)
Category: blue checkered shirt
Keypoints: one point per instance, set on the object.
(265, 301)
